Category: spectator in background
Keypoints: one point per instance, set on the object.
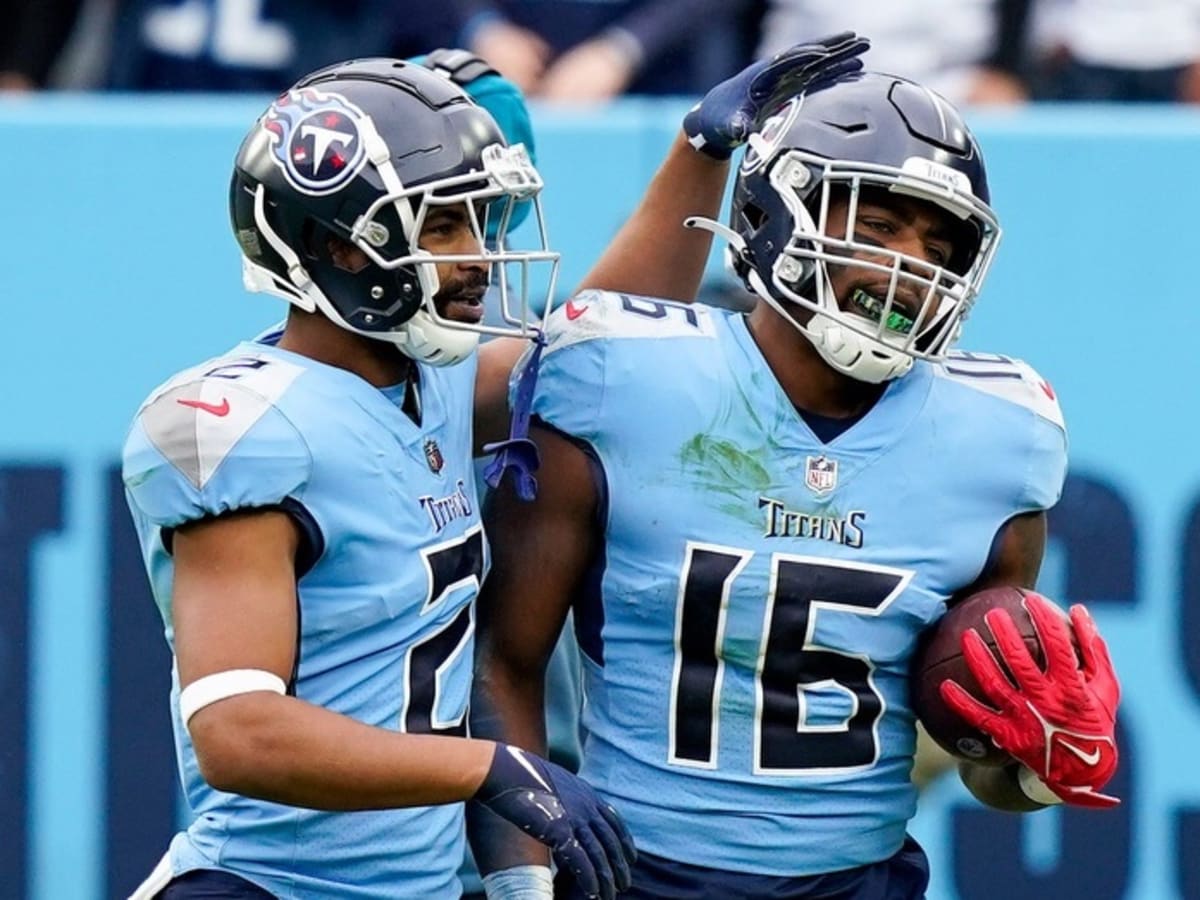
(967, 50)
(259, 45)
(34, 34)
(573, 50)
(1107, 50)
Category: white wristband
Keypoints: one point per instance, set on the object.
(1035, 789)
(520, 883)
(211, 688)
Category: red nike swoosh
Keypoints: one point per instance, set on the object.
(573, 311)
(222, 410)
(1047, 390)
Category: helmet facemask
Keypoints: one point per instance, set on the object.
(489, 197)
(874, 337)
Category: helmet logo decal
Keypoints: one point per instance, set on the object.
(761, 146)
(931, 170)
(316, 140)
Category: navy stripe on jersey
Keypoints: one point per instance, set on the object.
(904, 876)
(312, 541)
(588, 604)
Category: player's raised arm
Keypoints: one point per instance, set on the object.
(654, 254)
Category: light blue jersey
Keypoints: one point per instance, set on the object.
(761, 592)
(390, 566)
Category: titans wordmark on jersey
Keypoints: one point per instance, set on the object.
(761, 591)
(391, 561)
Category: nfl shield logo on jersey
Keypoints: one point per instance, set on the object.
(433, 456)
(820, 474)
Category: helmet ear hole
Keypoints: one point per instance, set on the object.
(308, 240)
(755, 216)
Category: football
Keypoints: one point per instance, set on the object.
(939, 656)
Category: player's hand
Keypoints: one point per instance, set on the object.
(585, 835)
(1060, 723)
(721, 122)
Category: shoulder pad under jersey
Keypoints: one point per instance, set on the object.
(212, 439)
(1009, 379)
(593, 315)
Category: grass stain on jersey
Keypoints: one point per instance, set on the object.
(728, 474)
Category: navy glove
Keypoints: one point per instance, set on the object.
(585, 835)
(721, 122)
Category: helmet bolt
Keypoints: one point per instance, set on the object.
(798, 175)
(377, 293)
(368, 318)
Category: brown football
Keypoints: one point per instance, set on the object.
(939, 656)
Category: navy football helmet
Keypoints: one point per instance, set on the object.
(861, 132)
(364, 150)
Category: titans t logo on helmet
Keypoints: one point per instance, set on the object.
(316, 139)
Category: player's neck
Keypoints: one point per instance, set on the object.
(808, 381)
(376, 362)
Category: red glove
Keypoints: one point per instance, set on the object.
(1060, 723)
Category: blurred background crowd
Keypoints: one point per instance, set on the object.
(580, 51)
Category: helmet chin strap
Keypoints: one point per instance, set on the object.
(853, 354)
(424, 340)
(843, 349)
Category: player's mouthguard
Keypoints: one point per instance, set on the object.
(871, 307)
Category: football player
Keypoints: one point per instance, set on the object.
(307, 508)
(754, 516)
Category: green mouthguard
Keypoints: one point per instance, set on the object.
(872, 307)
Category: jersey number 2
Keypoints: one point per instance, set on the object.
(457, 563)
(790, 663)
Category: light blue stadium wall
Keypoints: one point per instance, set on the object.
(117, 267)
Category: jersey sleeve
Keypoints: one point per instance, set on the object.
(570, 387)
(596, 360)
(1047, 442)
(206, 447)
(1026, 424)
(1047, 463)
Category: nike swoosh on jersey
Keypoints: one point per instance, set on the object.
(1090, 759)
(221, 410)
(574, 312)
